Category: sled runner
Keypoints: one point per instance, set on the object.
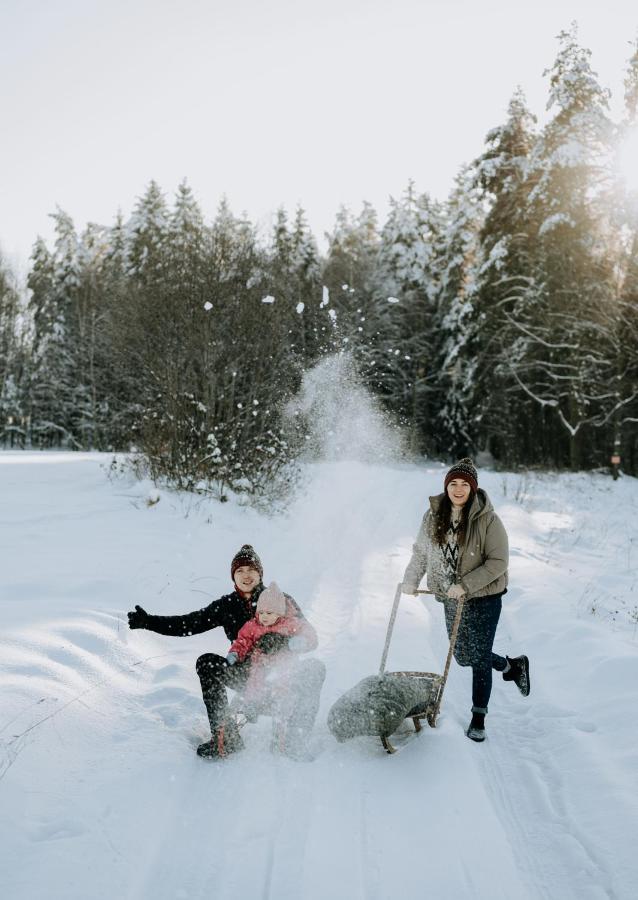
(379, 704)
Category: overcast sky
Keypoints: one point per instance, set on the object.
(270, 103)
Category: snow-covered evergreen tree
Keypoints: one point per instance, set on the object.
(147, 235)
(505, 421)
(562, 360)
(402, 319)
(623, 315)
(187, 242)
(13, 361)
(348, 276)
(307, 295)
(53, 281)
(455, 345)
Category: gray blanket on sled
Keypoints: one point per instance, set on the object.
(377, 705)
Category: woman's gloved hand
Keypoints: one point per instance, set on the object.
(456, 592)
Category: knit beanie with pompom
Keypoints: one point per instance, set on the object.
(246, 557)
(466, 470)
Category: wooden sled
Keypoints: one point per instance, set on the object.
(430, 710)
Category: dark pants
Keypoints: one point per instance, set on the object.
(215, 675)
(474, 643)
(302, 693)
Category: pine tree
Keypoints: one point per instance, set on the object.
(454, 347)
(187, 241)
(52, 280)
(147, 234)
(120, 389)
(307, 292)
(506, 423)
(348, 277)
(92, 355)
(12, 361)
(562, 361)
(623, 314)
(402, 319)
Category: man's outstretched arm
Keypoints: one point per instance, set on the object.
(178, 626)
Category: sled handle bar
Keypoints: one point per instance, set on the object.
(393, 615)
(388, 636)
(453, 636)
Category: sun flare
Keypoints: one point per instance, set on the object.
(628, 160)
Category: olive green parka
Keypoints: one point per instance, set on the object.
(483, 555)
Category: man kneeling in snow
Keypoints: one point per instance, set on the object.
(231, 612)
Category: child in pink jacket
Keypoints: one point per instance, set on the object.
(290, 634)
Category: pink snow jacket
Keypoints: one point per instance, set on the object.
(253, 630)
(245, 646)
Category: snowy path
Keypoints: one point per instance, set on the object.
(102, 795)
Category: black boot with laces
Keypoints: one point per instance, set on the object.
(518, 672)
(225, 740)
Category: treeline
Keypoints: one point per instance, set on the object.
(504, 320)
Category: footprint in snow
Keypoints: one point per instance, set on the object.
(166, 672)
(164, 696)
(587, 727)
(56, 831)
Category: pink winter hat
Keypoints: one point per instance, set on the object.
(272, 600)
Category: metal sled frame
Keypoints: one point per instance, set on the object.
(431, 711)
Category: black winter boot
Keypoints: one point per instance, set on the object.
(225, 740)
(476, 728)
(518, 672)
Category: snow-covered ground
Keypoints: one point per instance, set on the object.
(102, 795)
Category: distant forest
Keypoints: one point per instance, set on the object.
(502, 321)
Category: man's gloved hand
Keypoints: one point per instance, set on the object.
(231, 659)
(272, 643)
(297, 643)
(138, 619)
(408, 589)
(456, 592)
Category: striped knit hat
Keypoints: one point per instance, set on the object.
(466, 470)
(246, 557)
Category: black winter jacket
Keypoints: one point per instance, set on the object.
(230, 612)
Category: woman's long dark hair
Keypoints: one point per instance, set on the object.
(443, 516)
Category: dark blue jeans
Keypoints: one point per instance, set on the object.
(474, 643)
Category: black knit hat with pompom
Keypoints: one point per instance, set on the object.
(466, 470)
(246, 557)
